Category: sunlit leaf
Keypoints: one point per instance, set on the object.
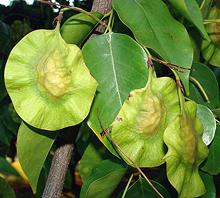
(33, 147)
(119, 64)
(208, 121)
(166, 37)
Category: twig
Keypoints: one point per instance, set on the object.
(65, 8)
(126, 188)
(105, 132)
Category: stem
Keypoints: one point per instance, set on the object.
(207, 21)
(66, 8)
(106, 131)
(197, 83)
(128, 184)
(109, 23)
(58, 169)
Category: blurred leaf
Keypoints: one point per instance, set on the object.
(211, 47)
(6, 168)
(191, 11)
(166, 37)
(77, 28)
(119, 65)
(89, 160)
(103, 180)
(208, 121)
(212, 164)
(2, 84)
(5, 135)
(209, 185)
(205, 6)
(6, 190)
(7, 120)
(216, 112)
(35, 144)
(4, 38)
(207, 79)
(142, 189)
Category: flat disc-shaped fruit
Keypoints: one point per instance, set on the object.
(48, 81)
(186, 151)
(138, 128)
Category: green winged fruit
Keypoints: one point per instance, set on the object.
(140, 124)
(48, 81)
(186, 151)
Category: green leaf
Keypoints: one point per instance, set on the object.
(205, 6)
(166, 37)
(208, 121)
(2, 84)
(5, 135)
(216, 112)
(142, 189)
(4, 38)
(51, 87)
(6, 168)
(91, 157)
(77, 28)
(103, 180)
(186, 151)
(212, 164)
(6, 191)
(119, 65)
(33, 147)
(191, 11)
(209, 185)
(209, 83)
(139, 126)
(211, 47)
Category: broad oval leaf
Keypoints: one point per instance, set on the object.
(103, 180)
(212, 164)
(206, 78)
(33, 147)
(166, 37)
(119, 65)
(211, 47)
(51, 87)
(139, 126)
(78, 27)
(142, 189)
(208, 121)
(186, 151)
(190, 10)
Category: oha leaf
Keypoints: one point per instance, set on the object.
(139, 126)
(119, 65)
(159, 31)
(48, 81)
(186, 151)
(190, 10)
(77, 28)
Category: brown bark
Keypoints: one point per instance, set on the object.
(62, 155)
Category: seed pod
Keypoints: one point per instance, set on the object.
(140, 124)
(48, 81)
(186, 151)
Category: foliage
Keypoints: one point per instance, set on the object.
(145, 93)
